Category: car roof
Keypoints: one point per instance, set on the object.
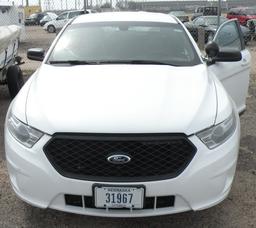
(211, 16)
(126, 16)
(50, 13)
(71, 11)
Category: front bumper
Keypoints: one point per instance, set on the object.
(204, 183)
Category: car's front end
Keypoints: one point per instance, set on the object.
(204, 183)
(179, 164)
(122, 139)
(45, 26)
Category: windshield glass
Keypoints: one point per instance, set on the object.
(46, 18)
(32, 16)
(125, 41)
(214, 20)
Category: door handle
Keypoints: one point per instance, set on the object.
(245, 62)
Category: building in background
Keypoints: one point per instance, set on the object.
(31, 9)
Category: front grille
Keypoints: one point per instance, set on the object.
(153, 156)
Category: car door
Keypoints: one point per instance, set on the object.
(233, 75)
(61, 20)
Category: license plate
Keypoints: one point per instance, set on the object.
(119, 197)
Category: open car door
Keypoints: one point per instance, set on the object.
(233, 75)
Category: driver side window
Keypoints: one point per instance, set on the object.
(228, 37)
(62, 17)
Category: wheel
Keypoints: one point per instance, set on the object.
(51, 29)
(14, 79)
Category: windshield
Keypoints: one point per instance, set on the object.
(125, 41)
(214, 20)
(46, 17)
(32, 16)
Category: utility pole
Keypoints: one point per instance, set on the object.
(27, 3)
(85, 5)
(219, 12)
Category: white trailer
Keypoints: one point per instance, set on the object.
(12, 15)
(10, 73)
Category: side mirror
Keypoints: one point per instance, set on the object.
(36, 54)
(230, 56)
(212, 49)
(215, 55)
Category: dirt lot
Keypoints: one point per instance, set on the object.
(238, 210)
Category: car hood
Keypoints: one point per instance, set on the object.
(121, 99)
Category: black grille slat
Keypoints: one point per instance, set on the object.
(153, 156)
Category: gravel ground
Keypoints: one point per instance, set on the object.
(238, 210)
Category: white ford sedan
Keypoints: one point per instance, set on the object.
(125, 118)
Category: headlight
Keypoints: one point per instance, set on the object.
(218, 134)
(23, 133)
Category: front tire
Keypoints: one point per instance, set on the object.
(14, 79)
(51, 29)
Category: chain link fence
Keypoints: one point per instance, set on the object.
(40, 20)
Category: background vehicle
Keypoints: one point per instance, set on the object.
(205, 11)
(48, 17)
(61, 20)
(251, 24)
(210, 25)
(34, 19)
(183, 17)
(10, 73)
(12, 15)
(242, 14)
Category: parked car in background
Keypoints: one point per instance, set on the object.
(251, 24)
(205, 11)
(210, 26)
(59, 22)
(10, 72)
(134, 123)
(48, 17)
(243, 14)
(34, 19)
(183, 17)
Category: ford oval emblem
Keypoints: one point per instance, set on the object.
(118, 159)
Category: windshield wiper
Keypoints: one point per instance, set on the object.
(150, 62)
(72, 62)
(82, 62)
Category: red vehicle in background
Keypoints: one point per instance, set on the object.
(242, 14)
